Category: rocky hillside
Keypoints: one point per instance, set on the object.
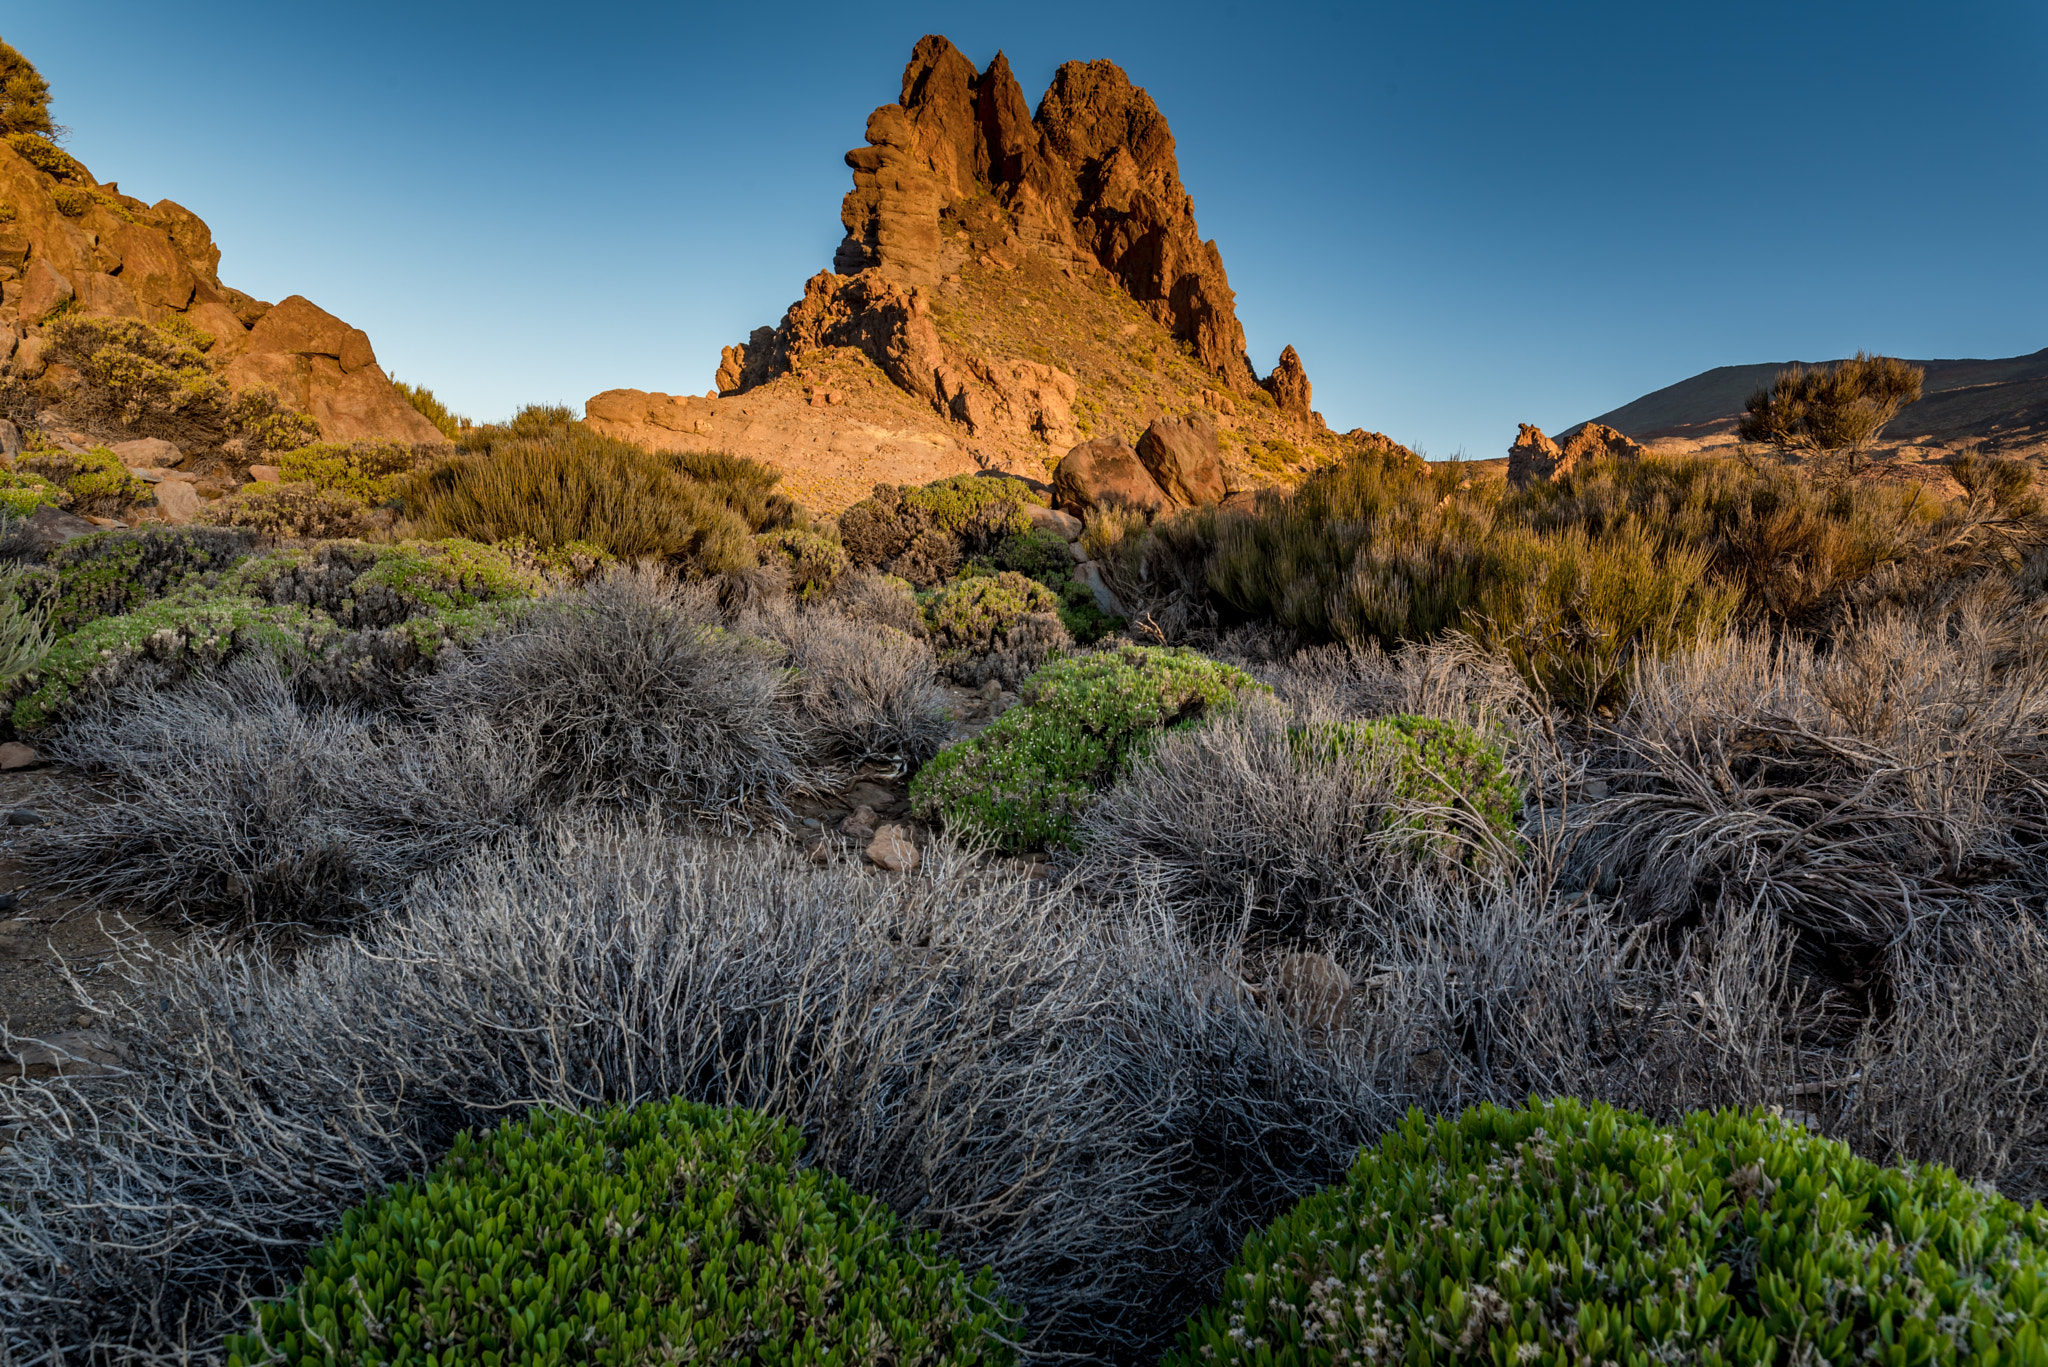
(71, 243)
(1010, 284)
(1999, 406)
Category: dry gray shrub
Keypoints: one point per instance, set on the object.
(1894, 783)
(1078, 1098)
(870, 690)
(1081, 1095)
(228, 800)
(631, 691)
(868, 596)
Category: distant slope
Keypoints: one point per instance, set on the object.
(2000, 405)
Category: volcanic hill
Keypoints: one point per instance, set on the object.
(1010, 284)
(1999, 407)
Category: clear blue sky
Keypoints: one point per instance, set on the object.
(1464, 216)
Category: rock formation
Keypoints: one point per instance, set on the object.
(1536, 459)
(1091, 182)
(68, 240)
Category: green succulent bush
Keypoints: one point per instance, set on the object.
(1020, 783)
(1567, 1233)
(1436, 764)
(105, 574)
(668, 1232)
(22, 493)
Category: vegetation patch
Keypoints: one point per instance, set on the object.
(154, 379)
(294, 511)
(1000, 626)
(94, 481)
(813, 560)
(108, 573)
(369, 471)
(1566, 1233)
(1021, 783)
(670, 1230)
(1436, 766)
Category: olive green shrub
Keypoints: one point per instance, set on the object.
(551, 482)
(46, 156)
(432, 409)
(155, 379)
(25, 632)
(24, 96)
(369, 471)
(22, 493)
(813, 560)
(94, 482)
(1021, 783)
(105, 574)
(925, 534)
(999, 626)
(1565, 1233)
(670, 1231)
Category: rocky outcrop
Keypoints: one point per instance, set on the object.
(1185, 458)
(76, 242)
(1091, 181)
(1289, 386)
(1536, 459)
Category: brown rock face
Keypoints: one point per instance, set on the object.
(1596, 441)
(1105, 473)
(123, 258)
(1185, 458)
(1091, 182)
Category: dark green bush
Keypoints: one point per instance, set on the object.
(669, 1232)
(553, 482)
(108, 573)
(1436, 763)
(747, 486)
(369, 471)
(1020, 783)
(925, 534)
(1565, 1233)
(814, 561)
(1000, 626)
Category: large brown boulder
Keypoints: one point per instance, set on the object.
(1185, 458)
(1536, 459)
(1105, 473)
(1533, 459)
(1597, 441)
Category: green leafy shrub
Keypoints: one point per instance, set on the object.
(94, 481)
(1020, 783)
(1565, 1233)
(1436, 763)
(154, 379)
(310, 608)
(553, 482)
(108, 573)
(301, 510)
(924, 534)
(1040, 553)
(71, 201)
(999, 626)
(746, 486)
(432, 409)
(814, 561)
(977, 509)
(669, 1231)
(369, 471)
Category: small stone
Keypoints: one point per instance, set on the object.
(813, 822)
(861, 824)
(266, 474)
(15, 755)
(24, 816)
(147, 476)
(177, 503)
(105, 521)
(992, 690)
(83, 1019)
(891, 849)
(18, 939)
(149, 453)
(9, 900)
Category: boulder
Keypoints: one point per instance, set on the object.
(1310, 989)
(29, 355)
(107, 296)
(177, 502)
(1052, 519)
(15, 755)
(43, 290)
(45, 530)
(147, 453)
(892, 849)
(860, 823)
(266, 474)
(1090, 574)
(10, 440)
(1105, 473)
(1185, 458)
